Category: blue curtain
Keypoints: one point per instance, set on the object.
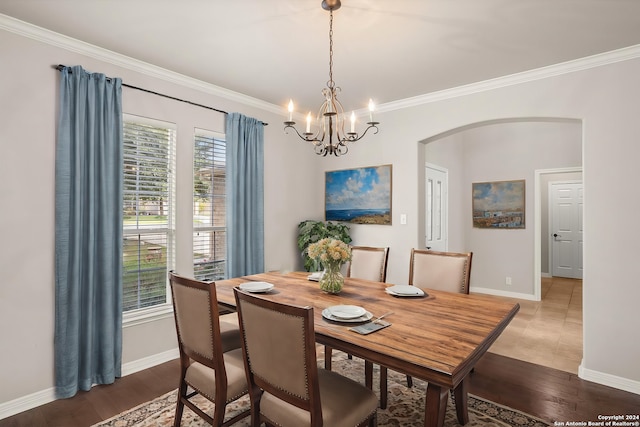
(88, 240)
(245, 195)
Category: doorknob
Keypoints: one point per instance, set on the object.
(556, 235)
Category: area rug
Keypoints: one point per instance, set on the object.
(405, 406)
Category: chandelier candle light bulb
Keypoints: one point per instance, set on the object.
(353, 122)
(291, 110)
(371, 108)
(309, 122)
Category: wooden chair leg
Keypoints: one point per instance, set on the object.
(218, 411)
(180, 404)
(409, 381)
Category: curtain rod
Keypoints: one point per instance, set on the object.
(60, 67)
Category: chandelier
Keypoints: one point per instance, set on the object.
(330, 136)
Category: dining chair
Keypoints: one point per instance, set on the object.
(286, 387)
(210, 348)
(368, 263)
(443, 271)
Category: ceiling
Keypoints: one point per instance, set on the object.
(385, 50)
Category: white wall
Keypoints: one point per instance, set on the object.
(606, 100)
(28, 114)
(511, 151)
(448, 152)
(497, 151)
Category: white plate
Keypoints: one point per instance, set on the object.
(346, 311)
(256, 287)
(316, 276)
(404, 290)
(364, 318)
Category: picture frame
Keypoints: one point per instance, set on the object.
(498, 204)
(359, 195)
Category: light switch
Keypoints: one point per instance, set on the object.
(403, 219)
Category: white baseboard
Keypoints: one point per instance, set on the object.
(609, 380)
(150, 361)
(43, 397)
(27, 402)
(501, 293)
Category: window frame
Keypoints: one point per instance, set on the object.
(162, 310)
(199, 132)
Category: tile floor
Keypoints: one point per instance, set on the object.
(547, 332)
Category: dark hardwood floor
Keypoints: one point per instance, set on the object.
(101, 402)
(548, 393)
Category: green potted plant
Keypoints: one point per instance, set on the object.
(311, 231)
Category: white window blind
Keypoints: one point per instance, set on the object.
(209, 207)
(148, 211)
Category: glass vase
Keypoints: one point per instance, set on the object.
(332, 280)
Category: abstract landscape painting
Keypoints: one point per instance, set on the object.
(498, 204)
(361, 195)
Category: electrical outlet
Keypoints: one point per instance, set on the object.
(403, 219)
(507, 281)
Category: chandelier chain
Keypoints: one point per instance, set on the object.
(331, 83)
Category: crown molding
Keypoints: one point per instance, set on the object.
(619, 55)
(43, 35)
(25, 29)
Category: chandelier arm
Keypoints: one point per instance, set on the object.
(355, 137)
(314, 140)
(341, 150)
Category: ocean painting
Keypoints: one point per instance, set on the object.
(360, 196)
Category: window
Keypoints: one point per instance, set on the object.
(209, 208)
(148, 211)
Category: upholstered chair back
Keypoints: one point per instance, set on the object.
(285, 384)
(368, 263)
(195, 315)
(277, 359)
(445, 271)
(211, 362)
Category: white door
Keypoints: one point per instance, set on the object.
(436, 208)
(566, 229)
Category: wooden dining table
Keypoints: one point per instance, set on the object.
(438, 337)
